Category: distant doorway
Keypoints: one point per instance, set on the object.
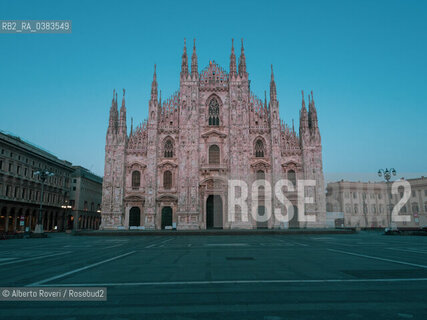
(166, 217)
(214, 212)
(134, 217)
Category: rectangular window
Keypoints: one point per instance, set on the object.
(8, 191)
(30, 194)
(23, 193)
(18, 170)
(1, 164)
(15, 195)
(25, 171)
(74, 188)
(413, 193)
(10, 167)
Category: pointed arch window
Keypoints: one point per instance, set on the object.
(214, 154)
(136, 179)
(167, 180)
(259, 149)
(214, 112)
(292, 177)
(168, 152)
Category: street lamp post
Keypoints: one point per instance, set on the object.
(43, 174)
(387, 173)
(67, 208)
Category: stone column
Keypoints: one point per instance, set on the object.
(14, 220)
(76, 220)
(6, 220)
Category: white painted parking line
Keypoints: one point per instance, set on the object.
(409, 250)
(150, 246)
(167, 240)
(7, 259)
(378, 258)
(226, 244)
(35, 258)
(79, 269)
(178, 283)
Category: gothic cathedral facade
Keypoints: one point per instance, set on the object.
(173, 170)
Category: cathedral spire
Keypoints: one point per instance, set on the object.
(194, 67)
(265, 99)
(160, 98)
(273, 93)
(312, 113)
(233, 67)
(113, 113)
(154, 86)
(123, 100)
(131, 126)
(242, 61)
(303, 119)
(123, 115)
(184, 63)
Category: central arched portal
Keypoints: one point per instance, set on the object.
(134, 217)
(214, 212)
(166, 217)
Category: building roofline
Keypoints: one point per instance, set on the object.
(27, 146)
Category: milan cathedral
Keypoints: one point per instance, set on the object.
(173, 170)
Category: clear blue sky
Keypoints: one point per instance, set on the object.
(365, 61)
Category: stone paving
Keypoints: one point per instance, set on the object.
(349, 276)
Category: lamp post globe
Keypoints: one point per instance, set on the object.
(387, 173)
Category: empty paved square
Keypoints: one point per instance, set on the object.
(365, 275)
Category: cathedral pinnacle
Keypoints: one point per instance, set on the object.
(303, 101)
(312, 113)
(233, 67)
(265, 99)
(194, 67)
(273, 93)
(123, 100)
(184, 64)
(154, 86)
(242, 61)
(303, 121)
(122, 121)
